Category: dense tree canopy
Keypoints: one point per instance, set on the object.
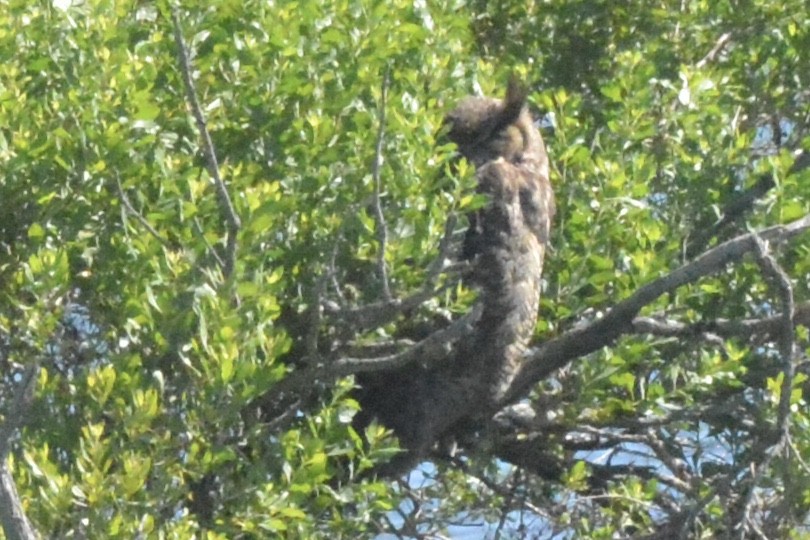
(216, 216)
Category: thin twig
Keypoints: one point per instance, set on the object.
(282, 420)
(226, 206)
(732, 212)
(314, 319)
(380, 313)
(199, 229)
(445, 244)
(796, 454)
(490, 484)
(379, 218)
(332, 272)
(718, 46)
(137, 215)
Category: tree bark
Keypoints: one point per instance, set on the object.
(15, 524)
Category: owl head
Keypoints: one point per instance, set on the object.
(485, 129)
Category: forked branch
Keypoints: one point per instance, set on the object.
(556, 353)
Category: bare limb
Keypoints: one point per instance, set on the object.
(379, 218)
(226, 206)
(379, 313)
(752, 329)
(556, 353)
(781, 282)
(430, 350)
(12, 516)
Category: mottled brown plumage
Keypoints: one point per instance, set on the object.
(505, 244)
(506, 240)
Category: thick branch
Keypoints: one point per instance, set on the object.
(15, 524)
(555, 353)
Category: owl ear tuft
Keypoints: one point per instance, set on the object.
(516, 94)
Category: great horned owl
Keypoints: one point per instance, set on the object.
(506, 245)
(507, 238)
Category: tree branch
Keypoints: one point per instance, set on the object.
(12, 516)
(554, 354)
(780, 281)
(733, 211)
(379, 218)
(750, 329)
(226, 206)
(379, 313)
(430, 350)
(718, 46)
(137, 215)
